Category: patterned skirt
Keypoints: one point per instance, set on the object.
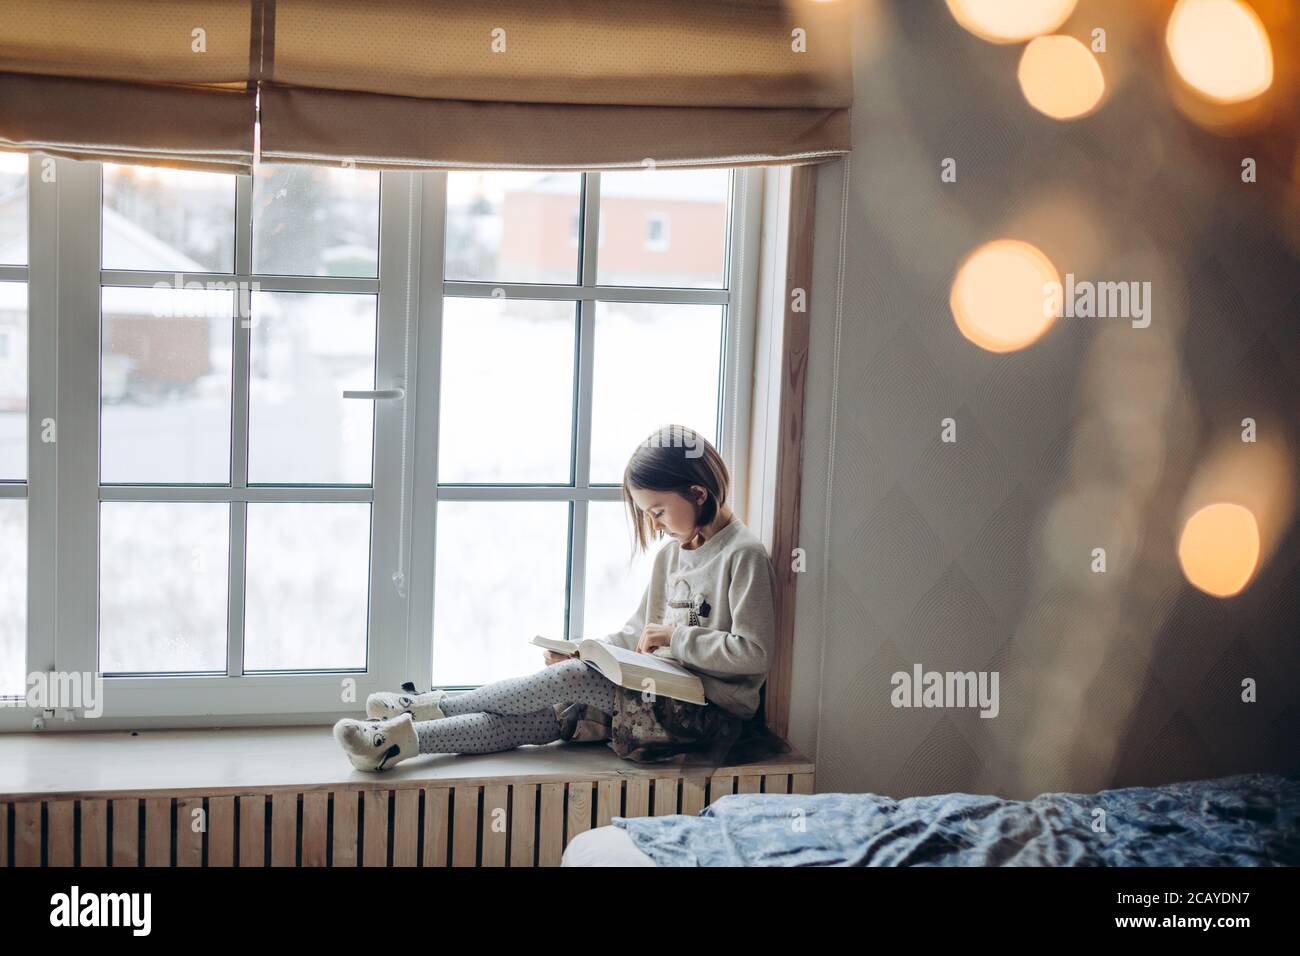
(652, 728)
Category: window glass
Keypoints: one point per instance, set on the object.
(501, 579)
(306, 349)
(13, 209)
(316, 221)
(512, 226)
(168, 220)
(642, 382)
(13, 597)
(163, 577)
(664, 228)
(506, 407)
(616, 580)
(307, 586)
(13, 381)
(164, 385)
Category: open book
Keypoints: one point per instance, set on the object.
(658, 673)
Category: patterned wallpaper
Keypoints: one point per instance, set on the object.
(976, 555)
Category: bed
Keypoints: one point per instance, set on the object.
(1242, 820)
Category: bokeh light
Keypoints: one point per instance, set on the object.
(1060, 77)
(1010, 21)
(1220, 49)
(998, 298)
(1219, 548)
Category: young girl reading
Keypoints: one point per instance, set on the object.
(709, 602)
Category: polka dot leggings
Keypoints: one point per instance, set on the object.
(519, 710)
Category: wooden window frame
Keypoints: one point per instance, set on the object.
(777, 415)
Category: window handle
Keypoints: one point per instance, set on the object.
(377, 395)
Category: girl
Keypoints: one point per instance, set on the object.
(709, 601)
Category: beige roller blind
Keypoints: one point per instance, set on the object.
(737, 53)
(565, 84)
(557, 83)
(127, 123)
(149, 81)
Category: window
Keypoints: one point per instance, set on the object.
(544, 395)
(656, 232)
(235, 478)
(338, 429)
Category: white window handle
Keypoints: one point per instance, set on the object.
(377, 395)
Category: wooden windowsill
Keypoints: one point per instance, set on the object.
(111, 764)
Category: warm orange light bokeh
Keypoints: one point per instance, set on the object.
(998, 295)
(1003, 21)
(1219, 548)
(1060, 77)
(1220, 49)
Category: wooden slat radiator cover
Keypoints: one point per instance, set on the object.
(488, 822)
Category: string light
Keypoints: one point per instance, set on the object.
(1002, 21)
(1060, 77)
(1219, 548)
(1220, 49)
(998, 298)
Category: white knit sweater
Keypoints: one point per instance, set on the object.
(719, 600)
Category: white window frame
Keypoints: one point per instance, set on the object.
(38, 487)
(63, 491)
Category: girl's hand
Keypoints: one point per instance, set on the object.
(654, 635)
(553, 658)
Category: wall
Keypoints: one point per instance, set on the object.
(975, 555)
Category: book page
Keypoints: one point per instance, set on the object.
(652, 662)
(555, 644)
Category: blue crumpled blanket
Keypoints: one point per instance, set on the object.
(1244, 820)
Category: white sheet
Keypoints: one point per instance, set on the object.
(604, 846)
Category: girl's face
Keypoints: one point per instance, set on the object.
(671, 513)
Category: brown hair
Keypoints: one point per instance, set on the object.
(672, 458)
